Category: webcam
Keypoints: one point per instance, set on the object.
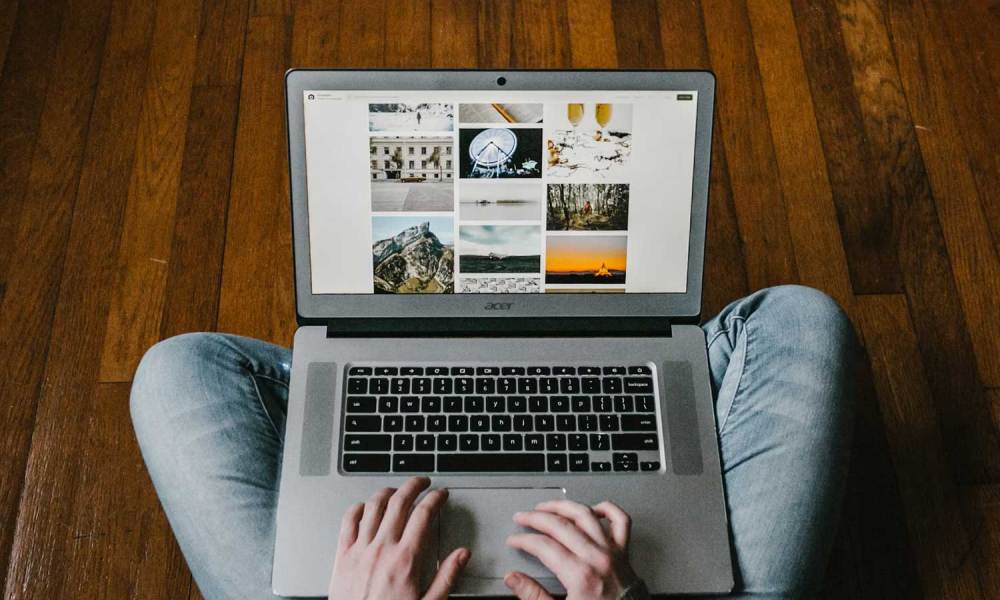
(501, 81)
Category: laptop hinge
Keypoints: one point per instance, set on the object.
(499, 327)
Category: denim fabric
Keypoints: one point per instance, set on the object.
(209, 412)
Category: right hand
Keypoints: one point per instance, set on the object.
(589, 561)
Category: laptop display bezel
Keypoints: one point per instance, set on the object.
(321, 308)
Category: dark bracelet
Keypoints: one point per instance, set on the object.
(635, 591)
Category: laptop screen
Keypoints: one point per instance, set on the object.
(463, 192)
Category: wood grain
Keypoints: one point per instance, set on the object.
(496, 33)
(51, 479)
(257, 271)
(636, 34)
(591, 34)
(148, 228)
(8, 16)
(361, 37)
(982, 505)
(929, 496)
(454, 38)
(220, 42)
(407, 34)
(539, 32)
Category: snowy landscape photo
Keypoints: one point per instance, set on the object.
(411, 117)
(413, 255)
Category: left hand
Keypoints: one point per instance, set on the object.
(381, 543)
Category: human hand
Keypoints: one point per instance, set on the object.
(590, 562)
(380, 546)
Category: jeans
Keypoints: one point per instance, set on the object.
(209, 412)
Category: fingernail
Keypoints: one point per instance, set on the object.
(464, 557)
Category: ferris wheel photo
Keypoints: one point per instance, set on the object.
(500, 152)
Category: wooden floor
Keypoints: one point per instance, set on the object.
(144, 194)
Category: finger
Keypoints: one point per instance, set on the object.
(374, 509)
(621, 522)
(349, 526)
(561, 530)
(524, 587)
(551, 553)
(421, 518)
(447, 574)
(397, 511)
(581, 515)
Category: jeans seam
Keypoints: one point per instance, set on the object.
(743, 370)
(274, 379)
(739, 382)
(260, 398)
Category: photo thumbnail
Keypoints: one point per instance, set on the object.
(499, 248)
(499, 152)
(585, 259)
(499, 200)
(411, 117)
(587, 207)
(413, 254)
(589, 141)
(410, 173)
(499, 285)
(500, 113)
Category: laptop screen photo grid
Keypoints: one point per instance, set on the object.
(500, 419)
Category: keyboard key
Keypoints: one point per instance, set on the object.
(517, 404)
(611, 385)
(538, 404)
(569, 385)
(430, 404)
(600, 467)
(635, 441)
(609, 422)
(392, 423)
(357, 385)
(361, 404)
(539, 371)
(589, 371)
(545, 423)
(378, 386)
(638, 385)
(522, 422)
(486, 386)
(534, 442)
(500, 423)
(527, 386)
(366, 463)
(400, 385)
(512, 370)
(402, 443)
(479, 423)
(443, 386)
(366, 443)
(577, 441)
(579, 462)
(447, 442)
(638, 423)
(458, 423)
(413, 463)
(601, 441)
(465, 385)
(565, 423)
(436, 423)
(556, 462)
(474, 404)
(624, 404)
(501, 463)
(586, 422)
(383, 371)
(468, 442)
(512, 442)
(453, 404)
(559, 404)
(411, 371)
(409, 404)
(506, 385)
(436, 371)
(563, 370)
(413, 423)
(359, 423)
(490, 371)
(590, 385)
(490, 442)
(422, 385)
(603, 404)
(614, 370)
(625, 461)
(360, 371)
(463, 371)
(425, 443)
(555, 441)
(644, 404)
(640, 370)
(581, 404)
(388, 404)
(650, 465)
(496, 404)
(548, 385)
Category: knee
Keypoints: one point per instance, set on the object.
(809, 317)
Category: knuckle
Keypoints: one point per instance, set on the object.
(602, 564)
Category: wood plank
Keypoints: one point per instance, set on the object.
(195, 270)
(864, 207)
(753, 171)
(38, 568)
(144, 255)
(360, 42)
(591, 34)
(315, 30)
(540, 32)
(924, 261)
(682, 38)
(812, 219)
(39, 246)
(256, 298)
(944, 118)
(271, 8)
(940, 539)
(454, 29)
(637, 35)
(8, 16)
(220, 42)
(496, 33)
(408, 35)
(982, 504)
(22, 94)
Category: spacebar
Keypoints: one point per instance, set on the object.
(515, 461)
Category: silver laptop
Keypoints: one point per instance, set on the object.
(498, 284)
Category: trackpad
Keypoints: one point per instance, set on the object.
(481, 519)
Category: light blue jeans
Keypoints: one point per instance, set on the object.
(209, 412)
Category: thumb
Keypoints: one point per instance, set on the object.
(447, 574)
(525, 588)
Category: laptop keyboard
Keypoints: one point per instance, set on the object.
(500, 419)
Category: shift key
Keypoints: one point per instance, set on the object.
(634, 441)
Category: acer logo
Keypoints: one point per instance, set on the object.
(498, 306)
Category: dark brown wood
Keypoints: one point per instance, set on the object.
(843, 158)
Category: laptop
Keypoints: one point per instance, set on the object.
(498, 284)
